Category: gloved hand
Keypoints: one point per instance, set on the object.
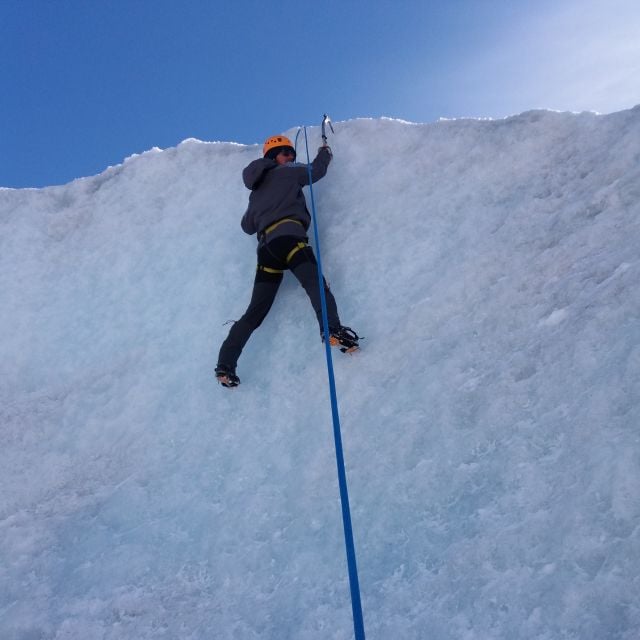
(328, 148)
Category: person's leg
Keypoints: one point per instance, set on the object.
(265, 288)
(302, 263)
(304, 267)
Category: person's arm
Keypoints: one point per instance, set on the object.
(318, 167)
(247, 223)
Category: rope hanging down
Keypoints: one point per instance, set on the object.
(356, 606)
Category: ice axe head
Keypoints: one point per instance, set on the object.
(326, 120)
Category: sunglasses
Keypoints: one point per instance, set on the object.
(288, 152)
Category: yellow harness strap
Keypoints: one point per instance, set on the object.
(270, 228)
(300, 245)
(269, 269)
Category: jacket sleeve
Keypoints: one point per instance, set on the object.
(254, 171)
(319, 167)
(247, 223)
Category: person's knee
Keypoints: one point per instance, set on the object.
(305, 272)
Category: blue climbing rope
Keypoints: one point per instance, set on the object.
(356, 606)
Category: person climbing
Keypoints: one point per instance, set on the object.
(278, 214)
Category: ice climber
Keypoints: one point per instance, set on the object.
(278, 214)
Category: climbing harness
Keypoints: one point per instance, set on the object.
(275, 225)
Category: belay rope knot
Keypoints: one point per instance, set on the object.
(356, 605)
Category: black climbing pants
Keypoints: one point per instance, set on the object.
(285, 252)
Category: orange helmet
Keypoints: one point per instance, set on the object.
(275, 141)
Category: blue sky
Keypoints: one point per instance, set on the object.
(86, 83)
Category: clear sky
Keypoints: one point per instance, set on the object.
(86, 83)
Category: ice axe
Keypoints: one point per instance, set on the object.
(326, 120)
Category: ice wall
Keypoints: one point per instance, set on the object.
(490, 422)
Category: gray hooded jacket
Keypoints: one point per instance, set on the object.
(276, 193)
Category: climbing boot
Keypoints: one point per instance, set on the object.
(345, 338)
(226, 376)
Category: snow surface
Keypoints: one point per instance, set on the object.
(490, 424)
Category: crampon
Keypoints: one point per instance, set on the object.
(345, 338)
(226, 376)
